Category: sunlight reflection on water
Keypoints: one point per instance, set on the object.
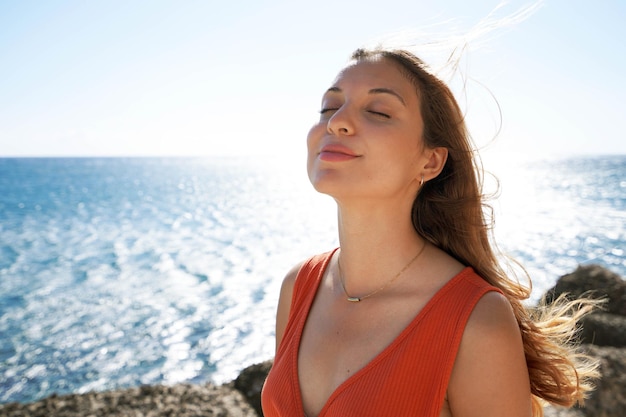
(126, 272)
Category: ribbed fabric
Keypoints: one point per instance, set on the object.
(408, 378)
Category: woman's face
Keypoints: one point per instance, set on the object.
(368, 141)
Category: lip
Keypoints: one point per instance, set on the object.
(337, 153)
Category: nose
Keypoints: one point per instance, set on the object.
(341, 122)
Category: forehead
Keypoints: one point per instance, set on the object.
(376, 73)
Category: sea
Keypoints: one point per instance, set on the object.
(119, 272)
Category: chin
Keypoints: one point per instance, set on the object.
(333, 188)
(322, 184)
(333, 182)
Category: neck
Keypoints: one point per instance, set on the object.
(376, 242)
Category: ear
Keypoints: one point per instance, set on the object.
(437, 158)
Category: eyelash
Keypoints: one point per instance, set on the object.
(376, 113)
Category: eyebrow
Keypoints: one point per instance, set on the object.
(379, 90)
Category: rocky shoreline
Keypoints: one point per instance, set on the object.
(603, 334)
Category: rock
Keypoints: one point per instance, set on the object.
(595, 281)
(250, 382)
(604, 333)
(181, 400)
(603, 329)
(609, 397)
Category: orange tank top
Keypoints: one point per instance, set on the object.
(408, 378)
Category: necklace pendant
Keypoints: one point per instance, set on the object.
(354, 299)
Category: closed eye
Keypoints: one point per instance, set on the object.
(377, 113)
(327, 112)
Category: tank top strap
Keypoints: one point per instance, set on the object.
(308, 279)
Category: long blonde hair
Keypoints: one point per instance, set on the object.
(449, 211)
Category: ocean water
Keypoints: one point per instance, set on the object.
(116, 272)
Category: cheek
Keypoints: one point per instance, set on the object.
(312, 144)
(313, 139)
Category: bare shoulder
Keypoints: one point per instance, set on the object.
(284, 301)
(289, 280)
(492, 317)
(490, 376)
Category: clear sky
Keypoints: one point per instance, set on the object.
(155, 77)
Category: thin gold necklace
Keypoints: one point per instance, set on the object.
(388, 283)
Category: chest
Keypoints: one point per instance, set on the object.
(340, 340)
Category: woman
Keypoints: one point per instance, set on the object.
(412, 315)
